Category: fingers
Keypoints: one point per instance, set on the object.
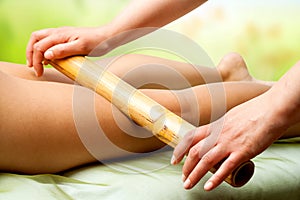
(200, 160)
(183, 147)
(37, 63)
(34, 38)
(38, 52)
(56, 43)
(197, 164)
(187, 142)
(227, 167)
(205, 151)
(44, 44)
(65, 49)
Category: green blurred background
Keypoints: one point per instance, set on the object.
(266, 33)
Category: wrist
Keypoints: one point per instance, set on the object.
(108, 30)
(106, 38)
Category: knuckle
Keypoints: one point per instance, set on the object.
(188, 138)
(37, 47)
(34, 34)
(207, 160)
(247, 151)
(203, 131)
(37, 34)
(194, 153)
(231, 164)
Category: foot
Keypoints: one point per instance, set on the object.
(233, 68)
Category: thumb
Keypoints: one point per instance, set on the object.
(64, 50)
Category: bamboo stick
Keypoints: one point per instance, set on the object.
(147, 113)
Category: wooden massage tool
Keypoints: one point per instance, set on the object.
(144, 111)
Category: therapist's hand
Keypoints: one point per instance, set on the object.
(55, 43)
(241, 134)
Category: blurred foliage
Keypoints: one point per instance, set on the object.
(265, 33)
(18, 19)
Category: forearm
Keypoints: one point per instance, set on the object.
(155, 13)
(286, 99)
(146, 13)
(49, 44)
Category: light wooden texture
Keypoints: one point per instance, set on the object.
(147, 113)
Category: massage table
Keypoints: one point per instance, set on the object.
(276, 176)
(151, 176)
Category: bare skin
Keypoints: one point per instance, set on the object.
(246, 131)
(66, 41)
(278, 120)
(38, 133)
(54, 43)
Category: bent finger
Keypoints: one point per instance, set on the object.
(206, 163)
(38, 63)
(197, 152)
(50, 41)
(190, 139)
(35, 37)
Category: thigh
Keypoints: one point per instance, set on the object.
(141, 71)
(39, 133)
(24, 72)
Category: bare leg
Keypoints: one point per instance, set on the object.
(24, 72)
(38, 133)
(163, 73)
(234, 68)
(152, 72)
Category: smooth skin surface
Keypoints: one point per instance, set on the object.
(278, 109)
(38, 131)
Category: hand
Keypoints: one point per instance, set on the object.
(242, 133)
(55, 43)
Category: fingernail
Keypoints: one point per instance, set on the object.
(49, 54)
(187, 184)
(35, 72)
(183, 177)
(173, 160)
(208, 186)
